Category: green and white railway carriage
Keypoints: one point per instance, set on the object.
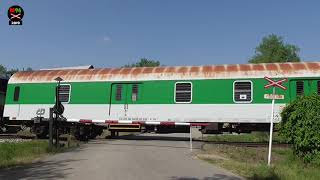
(190, 94)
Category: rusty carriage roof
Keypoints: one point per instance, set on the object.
(236, 71)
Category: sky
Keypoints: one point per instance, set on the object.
(112, 33)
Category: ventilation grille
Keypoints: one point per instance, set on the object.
(183, 92)
(300, 88)
(119, 92)
(134, 92)
(64, 93)
(242, 91)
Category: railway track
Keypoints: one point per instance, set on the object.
(15, 136)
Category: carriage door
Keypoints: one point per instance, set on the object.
(304, 87)
(123, 95)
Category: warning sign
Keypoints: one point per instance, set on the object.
(271, 96)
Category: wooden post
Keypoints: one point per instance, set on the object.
(57, 131)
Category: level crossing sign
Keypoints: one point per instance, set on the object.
(273, 83)
(273, 96)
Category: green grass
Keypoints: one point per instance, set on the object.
(12, 154)
(256, 137)
(20, 153)
(251, 162)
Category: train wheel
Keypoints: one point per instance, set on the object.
(41, 131)
(93, 134)
(113, 133)
(81, 133)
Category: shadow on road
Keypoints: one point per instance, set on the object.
(215, 177)
(131, 137)
(39, 170)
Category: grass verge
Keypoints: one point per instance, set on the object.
(12, 154)
(255, 137)
(251, 162)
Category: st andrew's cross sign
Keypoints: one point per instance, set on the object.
(273, 83)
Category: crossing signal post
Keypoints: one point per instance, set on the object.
(54, 117)
(274, 96)
(51, 128)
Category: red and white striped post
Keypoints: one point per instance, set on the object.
(190, 137)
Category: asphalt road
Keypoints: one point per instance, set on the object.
(142, 157)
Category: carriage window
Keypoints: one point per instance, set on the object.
(242, 91)
(16, 93)
(134, 92)
(64, 93)
(300, 88)
(318, 87)
(119, 92)
(183, 93)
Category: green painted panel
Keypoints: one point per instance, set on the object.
(313, 86)
(310, 86)
(90, 93)
(38, 93)
(161, 92)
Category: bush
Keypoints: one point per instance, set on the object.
(300, 125)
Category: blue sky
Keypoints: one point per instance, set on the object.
(111, 33)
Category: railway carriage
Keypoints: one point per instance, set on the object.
(160, 96)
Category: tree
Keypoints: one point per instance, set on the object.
(144, 63)
(12, 71)
(3, 70)
(29, 69)
(273, 49)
